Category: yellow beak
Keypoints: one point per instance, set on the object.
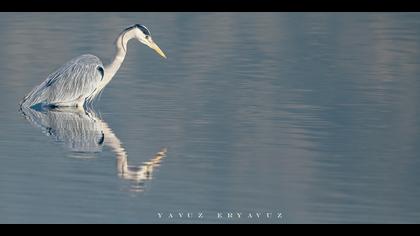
(155, 47)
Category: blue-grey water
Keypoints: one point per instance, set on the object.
(311, 115)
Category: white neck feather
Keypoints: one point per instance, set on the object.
(121, 51)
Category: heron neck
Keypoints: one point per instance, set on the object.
(116, 63)
(121, 51)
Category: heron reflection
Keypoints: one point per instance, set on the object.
(82, 131)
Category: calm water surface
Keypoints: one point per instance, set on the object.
(314, 115)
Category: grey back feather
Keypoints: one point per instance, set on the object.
(75, 80)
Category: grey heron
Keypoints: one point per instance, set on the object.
(79, 81)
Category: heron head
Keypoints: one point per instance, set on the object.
(143, 35)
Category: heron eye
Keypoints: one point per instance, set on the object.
(147, 37)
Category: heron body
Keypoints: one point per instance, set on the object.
(80, 81)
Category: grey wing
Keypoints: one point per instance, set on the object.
(75, 80)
